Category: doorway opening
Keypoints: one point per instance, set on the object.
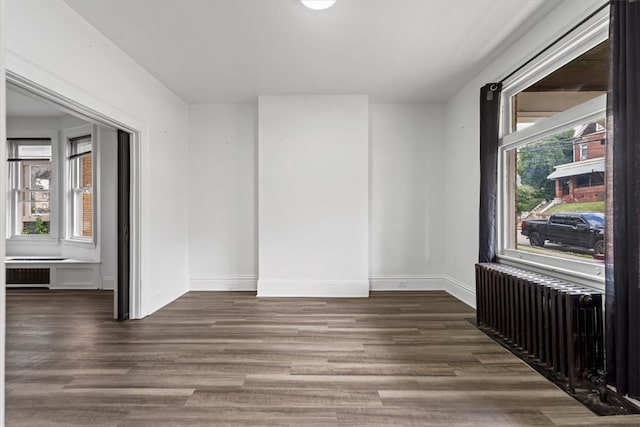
(72, 209)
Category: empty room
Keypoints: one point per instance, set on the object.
(319, 212)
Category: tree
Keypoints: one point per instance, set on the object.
(40, 177)
(527, 198)
(41, 226)
(536, 161)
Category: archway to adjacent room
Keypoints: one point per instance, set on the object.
(124, 144)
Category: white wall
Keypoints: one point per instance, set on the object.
(462, 134)
(313, 196)
(3, 184)
(407, 211)
(223, 251)
(67, 55)
(406, 189)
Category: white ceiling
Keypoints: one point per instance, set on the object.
(21, 105)
(219, 51)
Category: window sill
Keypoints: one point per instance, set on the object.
(86, 244)
(585, 273)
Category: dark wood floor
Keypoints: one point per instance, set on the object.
(233, 359)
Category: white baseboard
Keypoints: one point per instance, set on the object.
(224, 283)
(406, 282)
(314, 288)
(425, 282)
(165, 297)
(460, 290)
(108, 283)
(74, 286)
(337, 288)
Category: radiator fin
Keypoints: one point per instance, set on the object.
(557, 324)
(28, 276)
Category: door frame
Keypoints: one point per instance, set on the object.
(93, 116)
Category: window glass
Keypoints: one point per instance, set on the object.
(81, 169)
(34, 151)
(555, 192)
(553, 171)
(31, 175)
(582, 79)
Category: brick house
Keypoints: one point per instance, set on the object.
(583, 179)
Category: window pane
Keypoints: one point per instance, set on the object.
(560, 194)
(81, 147)
(34, 212)
(34, 151)
(82, 187)
(87, 214)
(31, 182)
(39, 203)
(39, 177)
(38, 226)
(83, 213)
(82, 172)
(86, 171)
(582, 79)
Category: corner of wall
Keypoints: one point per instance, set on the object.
(425, 282)
(166, 297)
(460, 290)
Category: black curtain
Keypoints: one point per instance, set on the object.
(489, 127)
(623, 201)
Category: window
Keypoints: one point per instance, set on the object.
(31, 186)
(574, 83)
(552, 151)
(35, 210)
(81, 187)
(583, 151)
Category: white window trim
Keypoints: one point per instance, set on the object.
(590, 110)
(54, 217)
(590, 34)
(69, 238)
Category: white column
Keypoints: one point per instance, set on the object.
(313, 196)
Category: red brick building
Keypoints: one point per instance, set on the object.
(583, 179)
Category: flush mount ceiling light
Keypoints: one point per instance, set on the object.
(318, 4)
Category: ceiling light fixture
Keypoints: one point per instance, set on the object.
(318, 4)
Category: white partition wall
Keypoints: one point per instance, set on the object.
(91, 71)
(313, 196)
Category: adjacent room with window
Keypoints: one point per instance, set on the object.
(61, 200)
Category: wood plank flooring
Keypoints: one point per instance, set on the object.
(233, 359)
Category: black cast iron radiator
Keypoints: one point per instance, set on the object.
(556, 324)
(28, 276)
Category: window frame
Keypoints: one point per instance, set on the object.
(584, 151)
(54, 189)
(585, 37)
(69, 222)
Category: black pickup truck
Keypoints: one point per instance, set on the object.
(585, 230)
